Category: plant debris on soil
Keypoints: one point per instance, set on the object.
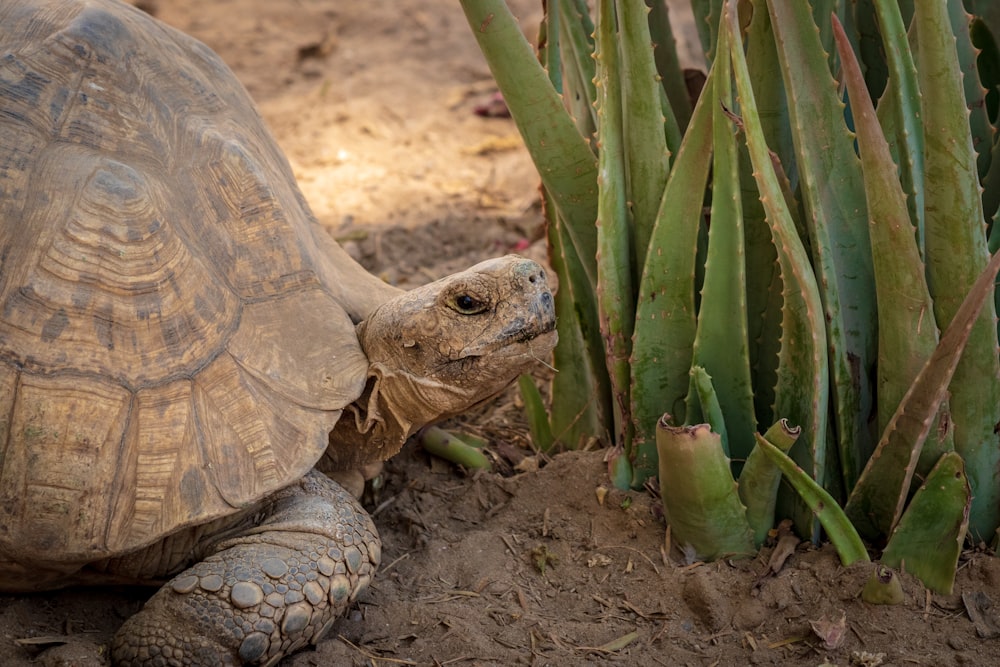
(389, 118)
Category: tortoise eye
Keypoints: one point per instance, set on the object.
(468, 305)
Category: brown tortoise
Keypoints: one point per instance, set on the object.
(181, 343)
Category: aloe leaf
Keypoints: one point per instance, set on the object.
(877, 500)
(899, 111)
(721, 346)
(581, 383)
(988, 65)
(764, 284)
(665, 321)
(672, 129)
(548, 43)
(991, 197)
(450, 447)
(534, 410)
(764, 328)
(928, 539)
(614, 270)
(838, 528)
(647, 160)
(471, 439)
(620, 469)
(801, 394)
(907, 333)
(759, 480)
(988, 11)
(708, 401)
(956, 255)
(873, 58)
(668, 64)
(906, 9)
(975, 94)
(763, 273)
(993, 242)
(836, 216)
(769, 91)
(706, 22)
(821, 11)
(576, 47)
(700, 500)
(561, 155)
(883, 587)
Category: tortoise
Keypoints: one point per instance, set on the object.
(182, 344)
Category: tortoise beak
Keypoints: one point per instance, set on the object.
(540, 321)
(546, 311)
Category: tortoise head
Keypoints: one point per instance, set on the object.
(438, 349)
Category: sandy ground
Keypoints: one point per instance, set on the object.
(374, 104)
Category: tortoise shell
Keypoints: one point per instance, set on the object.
(176, 338)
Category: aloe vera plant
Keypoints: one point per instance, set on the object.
(784, 248)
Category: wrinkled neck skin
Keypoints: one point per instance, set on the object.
(393, 407)
(439, 349)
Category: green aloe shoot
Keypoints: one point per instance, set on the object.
(760, 477)
(700, 501)
(883, 587)
(454, 448)
(838, 527)
(534, 409)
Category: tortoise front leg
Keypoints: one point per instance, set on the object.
(264, 592)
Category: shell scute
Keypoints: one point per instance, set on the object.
(162, 290)
(108, 286)
(251, 204)
(68, 435)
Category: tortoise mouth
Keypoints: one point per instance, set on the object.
(492, 367)
(515, 340)
(536, 324)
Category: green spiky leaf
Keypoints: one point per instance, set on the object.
(928, 539)
(838, 528)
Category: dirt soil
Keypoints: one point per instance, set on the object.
(375, 104)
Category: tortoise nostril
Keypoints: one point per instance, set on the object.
(537, 277)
